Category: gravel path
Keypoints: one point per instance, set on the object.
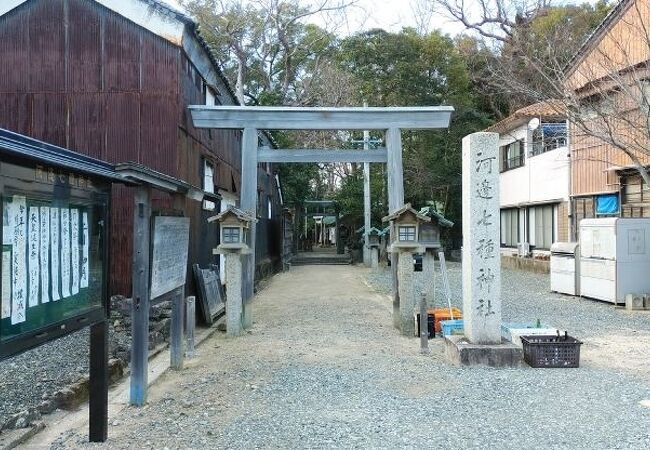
(31, 377)
(614, 337)
(323, 368)
(26, 380)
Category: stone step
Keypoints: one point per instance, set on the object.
(320, 261)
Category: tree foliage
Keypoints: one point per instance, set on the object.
(269, 51)
(411, 69)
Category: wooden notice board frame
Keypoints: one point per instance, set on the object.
(57, 178)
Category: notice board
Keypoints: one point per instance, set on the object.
(171, 237)
(53, 255)
(211, 295)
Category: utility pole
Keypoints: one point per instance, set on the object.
(366, 198)
(366, 193)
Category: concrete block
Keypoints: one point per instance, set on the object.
(459, 351)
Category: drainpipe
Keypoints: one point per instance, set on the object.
(572, 225)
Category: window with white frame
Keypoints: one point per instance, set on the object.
(512, 155)
(208, 184)
(509, 227)
(406, 232)
(541, 220)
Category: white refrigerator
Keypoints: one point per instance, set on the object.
(614, 258)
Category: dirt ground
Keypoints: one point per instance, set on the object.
(628, 352)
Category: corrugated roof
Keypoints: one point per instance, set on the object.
(196, 31)
(546, 109)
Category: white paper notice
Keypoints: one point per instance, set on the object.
(6, 284)
(54, 246)
(65, 253)
(84, 250)
(18, 220)
(33, 247)
(45, 254)
(74, 249)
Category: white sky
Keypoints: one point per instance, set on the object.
(391, 15)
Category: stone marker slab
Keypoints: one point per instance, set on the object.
(481, 239)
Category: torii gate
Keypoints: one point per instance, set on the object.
(253, 119)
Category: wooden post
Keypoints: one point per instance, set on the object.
(190, 325)
(248, 203)
(395, 201)
(176, 334)
(98, 395)
(140, 301)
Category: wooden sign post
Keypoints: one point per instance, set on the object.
(140, 300)
(156, 278)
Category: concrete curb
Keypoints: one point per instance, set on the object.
(61, 421)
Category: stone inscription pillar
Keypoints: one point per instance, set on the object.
(481, 228)
(234, 304)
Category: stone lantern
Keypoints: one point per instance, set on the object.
(235, 236)
(374, 242)
(405, 225)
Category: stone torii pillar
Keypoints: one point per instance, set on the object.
(395, 171)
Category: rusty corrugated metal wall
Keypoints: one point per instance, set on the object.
(78, 75)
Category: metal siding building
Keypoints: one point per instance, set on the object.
(111, 79)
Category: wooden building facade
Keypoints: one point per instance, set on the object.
(610, 75)
(112, 79)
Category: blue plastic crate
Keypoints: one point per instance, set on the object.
(449, 326)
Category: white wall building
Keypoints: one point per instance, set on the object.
(534, 180)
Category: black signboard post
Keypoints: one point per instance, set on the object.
(54, 268)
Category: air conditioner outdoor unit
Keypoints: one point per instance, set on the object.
(523, 249)
(635, 301)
